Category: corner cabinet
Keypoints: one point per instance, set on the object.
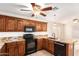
(48, 45)
(16, 48)
(39, 44)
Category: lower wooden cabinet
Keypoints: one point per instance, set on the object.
(45, 44)
(14, 48)
(21, 48)
(69, 49)
(48, 45)
(3, 51)
(51, 46)
(39, 44)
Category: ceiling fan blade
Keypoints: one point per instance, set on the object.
(42, 14)
(33, 4)
(24, 10)
(47, 9)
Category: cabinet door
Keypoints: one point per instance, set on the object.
(2, 23)
(11, 24)
(45, 44)
(39, 44)
(12, 49)
(20, 25)
(50, 46)
(21, 48)
(38, 26)
(31, 23)
(44, 26)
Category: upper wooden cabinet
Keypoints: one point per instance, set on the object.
(38, 26)
(31, 23)
(20, 25)
(44, 26)
(2, 23)
(11, 24)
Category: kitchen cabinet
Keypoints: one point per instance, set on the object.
(45, 44)
(3, 51)
(51, 46)
(15, 48)
(69, 49)
(2, 23)
(39, 44)
(31, 23)
(44, 26)
(20, 25)
(38, 26)
(12, 49)
(11, 24)
(21, 48)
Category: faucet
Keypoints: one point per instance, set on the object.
(53, 34)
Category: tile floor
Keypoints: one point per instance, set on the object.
(41, 53)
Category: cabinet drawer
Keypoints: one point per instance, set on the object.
(11, 44)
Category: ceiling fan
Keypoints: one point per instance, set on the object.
(38, 10)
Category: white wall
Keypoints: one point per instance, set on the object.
(56, 28)
(68, 31)
(71, 30)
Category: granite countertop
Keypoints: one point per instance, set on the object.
(9, 39)
(70, 41)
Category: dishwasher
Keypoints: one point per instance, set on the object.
(59, 48)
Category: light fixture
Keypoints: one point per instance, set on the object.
(36, 10)
(75, 20)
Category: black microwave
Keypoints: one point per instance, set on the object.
(29, 29)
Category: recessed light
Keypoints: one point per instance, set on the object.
(75, 20)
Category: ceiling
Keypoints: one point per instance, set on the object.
(66, 12)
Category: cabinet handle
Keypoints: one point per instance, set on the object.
(59, 44)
